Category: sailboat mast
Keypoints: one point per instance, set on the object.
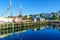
(11, 8)
(21, 10)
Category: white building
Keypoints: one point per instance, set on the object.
(42, 19)
(4, 19)
(35, 20)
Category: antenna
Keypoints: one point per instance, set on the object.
(11, 7)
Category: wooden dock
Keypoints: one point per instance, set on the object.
(7, 28)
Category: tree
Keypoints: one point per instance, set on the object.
(20, 16)
(41, 14)
(54, 16)
(30, 15)
(25, 17)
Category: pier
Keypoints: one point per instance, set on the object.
(7, 28)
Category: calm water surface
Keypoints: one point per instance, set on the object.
(40, 34)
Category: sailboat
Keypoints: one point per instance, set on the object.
(7, 26)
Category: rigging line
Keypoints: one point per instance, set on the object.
(5, 12)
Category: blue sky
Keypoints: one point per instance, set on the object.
(30, 6)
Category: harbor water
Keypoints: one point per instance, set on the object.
(42, 33)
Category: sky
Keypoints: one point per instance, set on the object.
(29, 6)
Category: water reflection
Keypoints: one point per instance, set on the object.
(39, 31)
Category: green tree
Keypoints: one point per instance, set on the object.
(54, 16)
(20, 16)
(41, 14)
(30, 15)
(25, 17)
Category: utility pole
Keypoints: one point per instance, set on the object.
(11, 7)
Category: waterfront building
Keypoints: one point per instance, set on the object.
(35, 20)
(42, 19)
(16, 19)
(5, 19)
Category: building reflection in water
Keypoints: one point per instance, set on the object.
(41, 27)
(38, 27)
